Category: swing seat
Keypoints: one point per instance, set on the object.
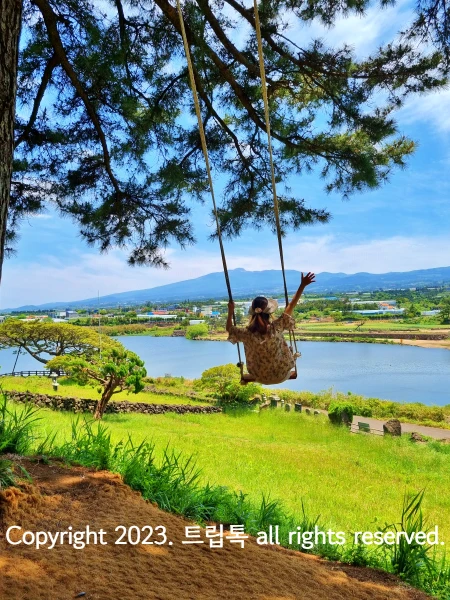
(249, 378)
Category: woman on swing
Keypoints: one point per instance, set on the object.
(269, 358)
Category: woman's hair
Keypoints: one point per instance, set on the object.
(259, 321)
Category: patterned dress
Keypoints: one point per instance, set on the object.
(269, 358)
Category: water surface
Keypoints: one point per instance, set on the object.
(394, 372)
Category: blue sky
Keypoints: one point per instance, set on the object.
(402, 226)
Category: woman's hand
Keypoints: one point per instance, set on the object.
(307, 279)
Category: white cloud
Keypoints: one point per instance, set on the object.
(84, 276)
(432, 108)
(376, 256)
(364, 33)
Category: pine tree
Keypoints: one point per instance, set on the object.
(104, 129)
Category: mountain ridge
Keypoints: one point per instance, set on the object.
(251, 283)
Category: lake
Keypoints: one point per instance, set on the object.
(393, 372)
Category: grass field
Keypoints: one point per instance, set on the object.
(42, 385)
(353, 482)
(374, 326)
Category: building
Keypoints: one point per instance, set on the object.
(391, 311)
(156, 315)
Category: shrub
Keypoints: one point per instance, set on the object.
(16, 427)
(224, 383)
(194, 332)
(7, 476)
(340, 412)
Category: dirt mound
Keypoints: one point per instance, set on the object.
(61, 497)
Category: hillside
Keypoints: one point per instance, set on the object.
(251, 283)
(61, 497)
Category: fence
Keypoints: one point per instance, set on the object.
(44, 373)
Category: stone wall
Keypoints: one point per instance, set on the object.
(79, 405)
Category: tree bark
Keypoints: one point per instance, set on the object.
(106, 397)
(10, 22)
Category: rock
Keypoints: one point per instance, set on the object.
(417, 437)
(298, 407)
(287, 407)
(307, 411)
(392, 427)
(317, 412)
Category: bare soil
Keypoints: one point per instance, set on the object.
(61, 497)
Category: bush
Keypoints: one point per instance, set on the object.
(224, 383)
(16, 427)
(7, 476)
(341, 412)
(194, 332)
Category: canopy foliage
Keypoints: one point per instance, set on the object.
(105, 130)
(43, 340)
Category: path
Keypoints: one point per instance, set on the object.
(77, 497)
(434, 432)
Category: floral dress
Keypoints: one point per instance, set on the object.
(269, 358)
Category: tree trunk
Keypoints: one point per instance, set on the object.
(106, 397)
(10, 22)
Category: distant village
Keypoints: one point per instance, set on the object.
(361, 304)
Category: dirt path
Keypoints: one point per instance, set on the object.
(377, 425)
(61, 498)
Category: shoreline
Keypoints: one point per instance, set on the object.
(441, 344)
(331, 337)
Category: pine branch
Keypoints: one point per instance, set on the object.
(50, 20)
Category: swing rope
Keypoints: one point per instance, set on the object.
(272, 168)
(208, 169)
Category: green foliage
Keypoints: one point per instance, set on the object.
(224, 383)
(101, 94)
(445, 310)
(372, 407)
(41, 339)
(7, 475)
(115, 368)
(193, 332)
(340, 412)
(412, 311)
(412, 561)
(17, 427)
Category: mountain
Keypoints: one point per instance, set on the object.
(253, 283)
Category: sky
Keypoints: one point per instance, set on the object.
(402, 226)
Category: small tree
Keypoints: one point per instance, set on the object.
(445, 310)
(116, 369)
(45, 339)
(412, 311)
(194, 332)
(224, 382)
(341, 412)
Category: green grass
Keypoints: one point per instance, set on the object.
(68, 388)
(354, 482)
(306, 459)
